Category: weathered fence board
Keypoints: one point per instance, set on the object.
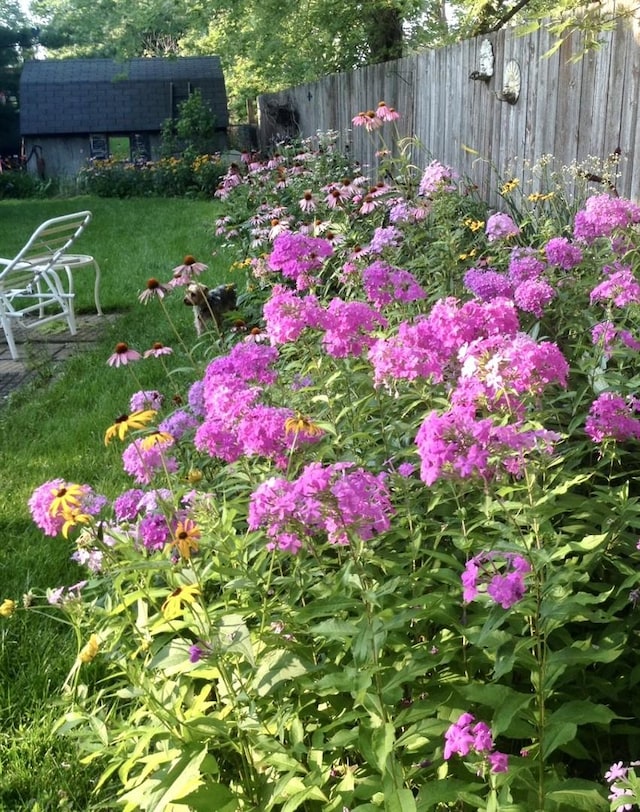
(576, 107)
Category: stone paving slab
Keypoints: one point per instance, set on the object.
(50, 344)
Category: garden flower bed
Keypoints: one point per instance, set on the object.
(382, 553)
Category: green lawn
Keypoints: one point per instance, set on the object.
(55, 428)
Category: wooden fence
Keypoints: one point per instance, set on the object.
(580, 110)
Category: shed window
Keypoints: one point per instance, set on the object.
(98, 147)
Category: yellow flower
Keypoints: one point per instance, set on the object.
(194, 476)
(156, 438)
(468, 255)
(66, 498)
(90, 650)
(509, 186)
(297, 424)
(185, 538)
(172, 607)
(72, 518)
(536, 197)
(136, 420)
(473, 225)
(7, 607)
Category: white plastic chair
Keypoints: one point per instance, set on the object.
(30, 284)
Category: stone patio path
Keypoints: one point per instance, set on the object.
(40, 349)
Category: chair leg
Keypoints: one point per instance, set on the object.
(7, 328)
(96, 289)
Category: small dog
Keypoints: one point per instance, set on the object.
(209, 304)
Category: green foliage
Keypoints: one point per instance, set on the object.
(192, 132)
(186, 176)
(19, 184)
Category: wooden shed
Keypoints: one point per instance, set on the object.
(73, 110)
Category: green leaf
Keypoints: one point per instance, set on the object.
(212, 796)
(578, 794)
(166, 786)
(277, 666)
(555, 735)
(308, 794)
(583, 712)
(401, 800)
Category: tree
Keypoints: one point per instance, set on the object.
(268, 45)
(16, 39)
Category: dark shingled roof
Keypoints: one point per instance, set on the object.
(69, 96)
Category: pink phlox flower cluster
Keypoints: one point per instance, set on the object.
(606, 333)
(563, 253)
(42, 498)
(437, 177)
(385, 285)
(179, 423)
(533, 295)
(216, 438)
(500, 575)
(247, 362)
(298, 257)
(404, 211)
(602, 215)
(195, 398)
(143, 463)
(235, 422)
(524, 266)
(146, 399)
(621, 287)
(287, 315)
(384, 237)
(338, 501)
(500, 226)
(428, 347)
(261, 432)
(620, 772)
(468, 736)
(126, 507)
(459, 444)
(153, 531)
(611, 417)
(349, 328)
(500, 370)
(488, 284)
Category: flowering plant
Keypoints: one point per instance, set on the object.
(381, 556)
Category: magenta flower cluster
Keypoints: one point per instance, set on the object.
(467, 736)
(385, 285)
(299, 257)
(339, 501)
(501, 226)
(461, 444)
(437, 177)
(428, 347)
(500, 575)
(619, 287)
(603, 215)
(235, 421)
(612, 417)
(143, 461)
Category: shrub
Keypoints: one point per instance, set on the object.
(20, 184)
